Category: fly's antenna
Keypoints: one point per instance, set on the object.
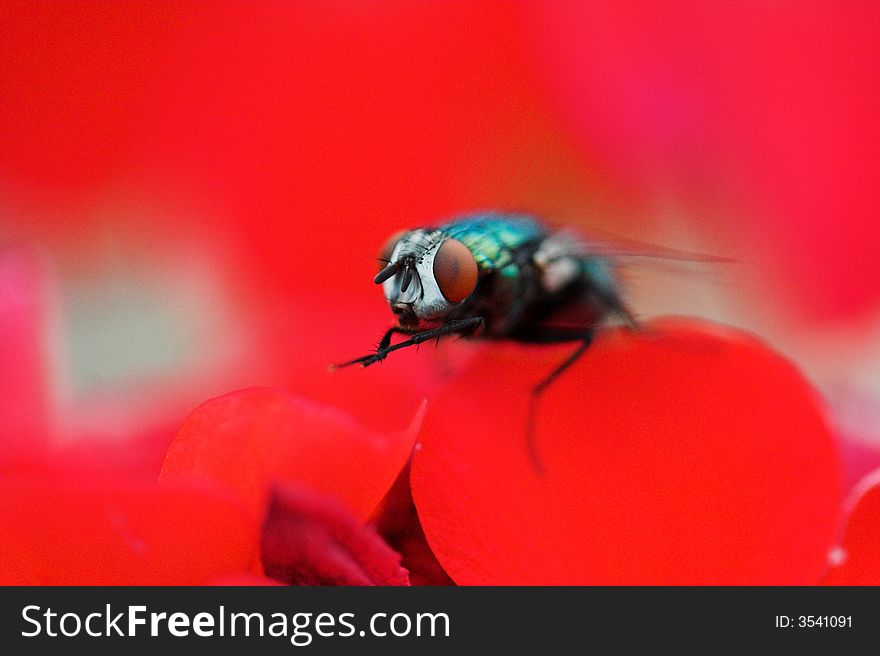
(387, 272)
(408, 264)
(407, 276)
(409, 270)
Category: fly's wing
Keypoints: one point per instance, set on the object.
(603, 268)
(579, 286)
(571, 242)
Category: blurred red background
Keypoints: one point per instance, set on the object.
(198, 190)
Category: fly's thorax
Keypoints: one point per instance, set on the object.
(434, 275)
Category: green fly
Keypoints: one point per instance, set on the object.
(497, 275)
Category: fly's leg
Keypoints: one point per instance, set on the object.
(381, 346)
(386, 338)
(549, 336)
(385, 347)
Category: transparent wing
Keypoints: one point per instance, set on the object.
(575, 242)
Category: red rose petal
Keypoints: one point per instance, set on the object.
(252, 438)
(857, 560)
(54, 533)
(698, 456)
(312, 539)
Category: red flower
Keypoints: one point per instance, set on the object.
(855, 561)
(207, 213)
(686, 455)
(255, 440)
(309, 539)
(251, 439)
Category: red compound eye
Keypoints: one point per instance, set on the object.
(455, 270)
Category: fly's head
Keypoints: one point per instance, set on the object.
(425, 276)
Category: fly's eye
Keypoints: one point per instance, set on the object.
(388, 249)
(455, 270)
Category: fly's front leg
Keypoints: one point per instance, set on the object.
(384, 343)
(385, 346)
(381, 346)
(386, 338)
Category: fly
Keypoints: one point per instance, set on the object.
(496, 275)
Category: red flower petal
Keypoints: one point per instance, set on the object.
(397, 522)
(312, 539)
(54, 533)
(698, 456)
(857, 560)
(252, 438)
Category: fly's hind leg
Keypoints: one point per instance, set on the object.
(551, 336)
